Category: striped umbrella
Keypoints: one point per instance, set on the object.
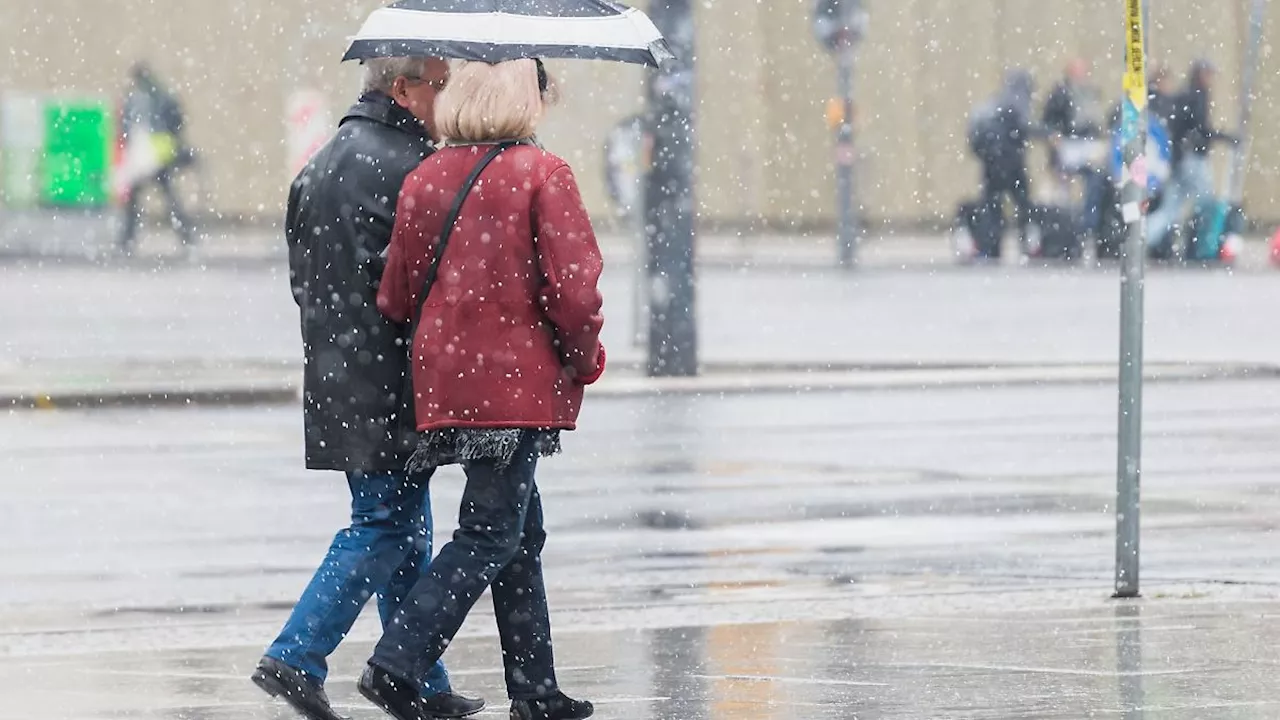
(498, 30)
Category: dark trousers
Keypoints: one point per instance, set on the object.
(498, 543)
(1095, 196)
(178, 217)
(999, 180)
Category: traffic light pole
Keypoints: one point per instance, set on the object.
(847, 227)
(670, 205)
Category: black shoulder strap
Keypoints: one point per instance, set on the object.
(447, 230)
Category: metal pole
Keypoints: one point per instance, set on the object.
(1252, 54)
(1134, 200)
(847, 229)
(670, 206)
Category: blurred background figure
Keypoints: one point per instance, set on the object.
(154, 150)
(1191, 133)
(999, 133)
(1073, 118)
(1160, 95)
(1072, 108)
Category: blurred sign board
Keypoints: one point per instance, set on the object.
(54, 151)
(308, 126)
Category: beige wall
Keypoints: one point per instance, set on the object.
(765, 149)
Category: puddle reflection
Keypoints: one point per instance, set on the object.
(1129, 660)
(677, 661)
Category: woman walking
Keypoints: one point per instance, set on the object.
(494, 261)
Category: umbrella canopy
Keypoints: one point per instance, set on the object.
(498, 30)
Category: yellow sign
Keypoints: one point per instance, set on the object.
(1135, 77)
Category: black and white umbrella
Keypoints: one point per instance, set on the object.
(498, 30)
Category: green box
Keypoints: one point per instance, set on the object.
(76, 171)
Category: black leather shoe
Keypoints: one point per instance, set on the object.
(294, 687)
(552, 707)
(452, 705)
(396, 696)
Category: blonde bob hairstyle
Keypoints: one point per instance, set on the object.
(490, 102)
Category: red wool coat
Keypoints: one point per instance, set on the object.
(510, 333)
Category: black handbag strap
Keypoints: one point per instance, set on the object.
(450, 221)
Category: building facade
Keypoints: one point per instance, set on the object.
(764, 146)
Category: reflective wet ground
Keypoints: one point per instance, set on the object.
(940, 554)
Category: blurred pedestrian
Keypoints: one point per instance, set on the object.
(1192, 133)
(999, 134)
(153, 125)
(340, 215)
(1160, 96)
(1073, 108)
(507, 339)
(1072, 113)
(1073, 118)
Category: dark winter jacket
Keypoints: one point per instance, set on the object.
(510, 333)
(340, 217)
(1000, 138)
(1001, 130)
(1063, 113)
(151, 108)
(1191, 131)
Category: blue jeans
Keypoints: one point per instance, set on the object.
(498, 546)
(1192, 181)
(385, 551)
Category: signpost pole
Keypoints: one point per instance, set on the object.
(1134, 200)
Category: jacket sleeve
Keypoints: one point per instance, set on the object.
(297, 252)
(396, 292)
(571, 265)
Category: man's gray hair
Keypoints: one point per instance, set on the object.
(381, 73)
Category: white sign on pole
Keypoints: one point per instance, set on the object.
(308, 126)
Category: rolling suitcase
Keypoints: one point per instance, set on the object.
(1055, 234)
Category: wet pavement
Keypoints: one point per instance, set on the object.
(762, 314)
(890, 554)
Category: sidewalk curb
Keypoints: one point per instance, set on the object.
(105, 399)
(722, 383)
(887, 380)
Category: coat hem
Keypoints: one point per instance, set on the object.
(344, 465)
(498, 425)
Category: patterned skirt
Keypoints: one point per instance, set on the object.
(450, 446)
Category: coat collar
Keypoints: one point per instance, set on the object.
(380, 108)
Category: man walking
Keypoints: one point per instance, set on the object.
(152, 122)
(999, 133)
(339, 222)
